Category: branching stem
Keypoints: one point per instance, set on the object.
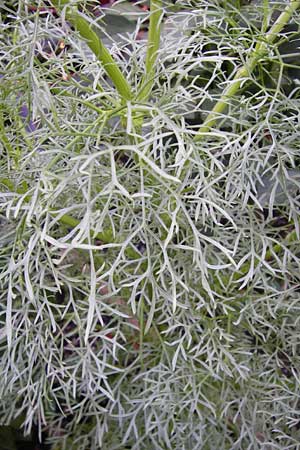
(156, 15)
(260, 51)
(97, 47)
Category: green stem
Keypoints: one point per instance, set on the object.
(260, 50)
(156, 14)
(94, 42)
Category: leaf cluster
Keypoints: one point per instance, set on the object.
(149, 278)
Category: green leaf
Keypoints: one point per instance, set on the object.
(128, 10)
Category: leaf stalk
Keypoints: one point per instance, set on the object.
(260, 51)
(98, 48)
(156, 15)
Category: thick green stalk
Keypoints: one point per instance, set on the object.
(94, 42)
(156, 14)
(260, 50)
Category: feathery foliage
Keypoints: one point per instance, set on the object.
(149, 245)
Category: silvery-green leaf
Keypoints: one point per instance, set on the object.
(178, 25)
(128, 10)
(274, 186)
(120, 18)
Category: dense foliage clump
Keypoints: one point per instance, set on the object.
(149, 244)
